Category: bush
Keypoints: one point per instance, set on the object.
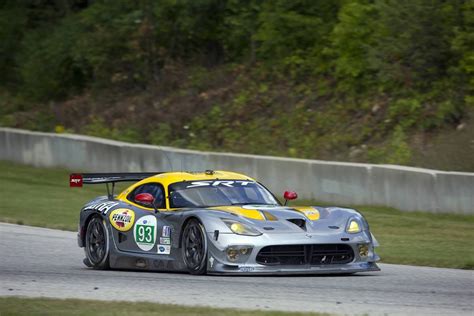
(397, 151)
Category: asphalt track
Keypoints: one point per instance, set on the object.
(39, 262)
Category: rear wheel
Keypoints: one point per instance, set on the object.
(97, 244)
(194, 247)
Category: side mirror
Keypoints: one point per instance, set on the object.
(289, 195)
(144, 199)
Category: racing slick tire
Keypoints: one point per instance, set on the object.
(97, 244)
(194, 247)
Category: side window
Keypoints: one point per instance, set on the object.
(155, 189)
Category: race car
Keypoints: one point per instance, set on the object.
(217, 222)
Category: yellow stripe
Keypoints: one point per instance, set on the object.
(252, 214)
(310, 212)
(269, 216)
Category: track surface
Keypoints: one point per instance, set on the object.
(43, 262)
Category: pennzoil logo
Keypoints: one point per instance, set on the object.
(122, 219)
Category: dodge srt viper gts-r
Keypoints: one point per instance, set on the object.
(217, 222)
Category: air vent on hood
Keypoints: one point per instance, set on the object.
(301, 223)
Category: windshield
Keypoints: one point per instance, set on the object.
(217, 193)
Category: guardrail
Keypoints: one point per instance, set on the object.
(341, 183)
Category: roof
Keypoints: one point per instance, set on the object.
(171, 177)
(167, 178)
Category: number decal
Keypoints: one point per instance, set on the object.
(144, 232)
(148, 234)
(140, 232)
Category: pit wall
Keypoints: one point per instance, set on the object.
(341, 183)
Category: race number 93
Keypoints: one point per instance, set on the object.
(145, 234)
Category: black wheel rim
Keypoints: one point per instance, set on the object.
(96, 244)
(194, 246)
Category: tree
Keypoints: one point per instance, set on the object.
(294, 33)
(412, 42)
(351, 42)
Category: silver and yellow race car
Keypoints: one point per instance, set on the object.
(217, 222)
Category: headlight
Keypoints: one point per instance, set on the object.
(236, 253)
(363, 250)
(232, 254)
(241, 229)
(353, 227)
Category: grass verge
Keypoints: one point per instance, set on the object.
(42, 197)
(46, 306)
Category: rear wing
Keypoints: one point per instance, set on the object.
(79, 179)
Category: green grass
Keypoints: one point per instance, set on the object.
(45, 306)
(42, 197)
(422, 238)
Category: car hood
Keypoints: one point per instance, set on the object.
(290, 219)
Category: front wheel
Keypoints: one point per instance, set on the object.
(194, 247)
(97, 244)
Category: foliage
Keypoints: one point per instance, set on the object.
(413, 42)
(98, 128)
(161, 135)
(396, 152)
(48, 68)
(11, 30)
(351, 41)
(315, 79)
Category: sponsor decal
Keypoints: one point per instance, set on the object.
(102, 207)
(164, 249)
(144, 232)
(75, 180)
(166, 232)
(122, 219)
(165, 240)
(229, 184)
(246, 269)
(211, 261)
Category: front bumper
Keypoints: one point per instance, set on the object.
(256, 269)
(219, 262)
